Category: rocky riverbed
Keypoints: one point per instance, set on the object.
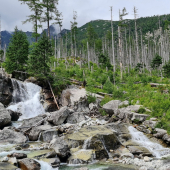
(34, 135)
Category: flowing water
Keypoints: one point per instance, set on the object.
(156, 149)
(26, 99)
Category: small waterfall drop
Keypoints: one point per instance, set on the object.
(156, 149)
(86, 143)
(45, 166)
(26, 99)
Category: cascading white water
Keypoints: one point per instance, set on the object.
(45, 166)
(156, 149)
(86, 143)
(26, 99)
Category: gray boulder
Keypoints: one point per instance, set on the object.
(8, 135)
(76, 117)
(140, 117)
(112, 107)
(166, 138)
(58, 117)
(60, 145)
(5, 118)
(151, 123)
(160, 133)
(29, 164)
(35, 131)
(47, 136)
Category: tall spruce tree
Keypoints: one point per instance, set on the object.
(36, 7)
(39, 59)
(17, 52)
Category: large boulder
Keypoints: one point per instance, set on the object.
(8, 135)
(29, 164)
(151, 123)
(47, 135)
(35, 131)
(76, 117)
(159, 133)
(111, 107)
(59, 117)
(60, 145)
(5, 118)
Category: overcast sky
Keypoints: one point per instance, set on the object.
(13, 13)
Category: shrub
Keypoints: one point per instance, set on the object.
(91, 98)
(105, 100)
(108, 87)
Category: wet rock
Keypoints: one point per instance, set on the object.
(143, 128)
(31, 80)
(111, 107)
(18, 148)
(137, 150)
(14, 115)
(166, 138)
(60, 145)
(51, 154)
(7, 166)
(18, 155)
(35, 131)
(160, 133)
(11, 136)
(5, 118)
(58, 117)
(13, 161)
(29, 164)
(47, 136)
(49, 105)
(6, 90)
(55, 162)
(5, 159)
(147, 159)
(76, 117)
(82, 156)
(151, 123)
(31, 122)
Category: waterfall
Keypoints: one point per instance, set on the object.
(45, 165)
(86, 143)
(156, 149)
(26, 99)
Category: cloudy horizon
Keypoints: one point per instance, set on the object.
(13, 13)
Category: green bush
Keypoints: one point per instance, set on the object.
(108, 87)
(91, 98)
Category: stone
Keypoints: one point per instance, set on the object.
(93, 106)
(29, 164)
(60, 146)
(137, 150)
(14, 115)
(160, 133)
(139, 117)
(166, 138)
(35, 131)
(150, 123)
(7, 166)
(18, 155)
(111, 107)
(5, 159)
(82, 156)
(58, 117)
(47, 136)
(82, 105)
(144, 129)
(127, 155)
(55, 163)
(76, 117)
(18, 148)
(51, 154)
(124, 103)
(143, 168)
(11, 136)
(146, 159)
(5, 118)
(13, 161)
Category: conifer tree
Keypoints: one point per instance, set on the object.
(39, 60)
(17, 52)
(37, 9)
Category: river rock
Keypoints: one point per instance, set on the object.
(13, 161)
(166, 138)
(160, 133)
(14, 115)
(139, 117)
(60, 145)
(143, 128)
(51, 154)
(8, 135)
(5, 118)
(76, 117)
(29, 164)
(82, 105)
(27, 123)
(5, 159)
(111, 107)
(18, 155)
(35, 131)
(47, 136)
(58, 117)
(151, 123)
(55, 162)
(6, 90)
(7, 166)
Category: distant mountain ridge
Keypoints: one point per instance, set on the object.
(144, 24)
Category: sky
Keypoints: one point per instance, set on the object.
(13, 12)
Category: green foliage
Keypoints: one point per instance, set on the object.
(105, 100)
(38, 62)
(166, 69)
(17, 52)
(138, 67)
(1, 54)
(141, 110)
(91, 98)
(104, 61)
(156, 62)
(102, 112)
(108, 87)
